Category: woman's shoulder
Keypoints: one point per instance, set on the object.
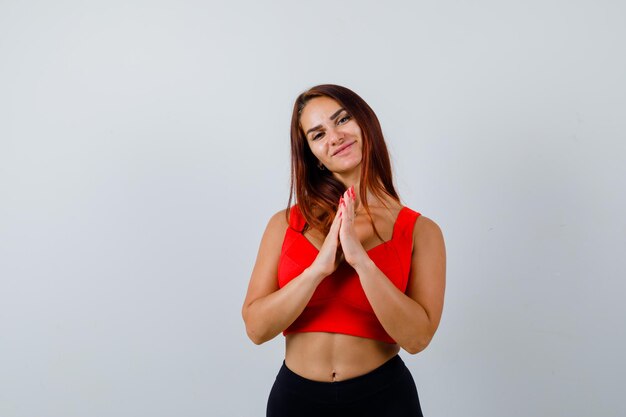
(426, 229)
(279, 220)
(275, 229)
(289, 217)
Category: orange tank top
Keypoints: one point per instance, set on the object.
(339, 304)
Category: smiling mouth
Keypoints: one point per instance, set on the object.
(343, 148)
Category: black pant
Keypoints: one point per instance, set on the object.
(388, 390)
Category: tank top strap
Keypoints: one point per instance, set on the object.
(403, 229)
(296, 219)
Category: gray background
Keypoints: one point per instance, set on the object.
(144, 145)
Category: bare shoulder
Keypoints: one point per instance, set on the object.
(279, 218)
(427, 233)
(275, 229)
(278, 222)
(426, 227)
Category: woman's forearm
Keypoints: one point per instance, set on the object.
(403, 318)
(266, 317)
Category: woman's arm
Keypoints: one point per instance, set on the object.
(268, 310)
(411, 319)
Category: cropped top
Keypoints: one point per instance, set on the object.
(339, 304)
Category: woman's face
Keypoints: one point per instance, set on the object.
(333, 135)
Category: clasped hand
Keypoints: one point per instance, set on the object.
(342, 241)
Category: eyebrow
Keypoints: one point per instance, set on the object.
(332, 117)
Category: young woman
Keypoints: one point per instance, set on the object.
(348, 274)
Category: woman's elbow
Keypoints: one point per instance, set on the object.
(417, 344)
(256, 340)
(256, 334)
(250, 329)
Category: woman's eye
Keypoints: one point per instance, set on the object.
(343, 120)
(317, 136)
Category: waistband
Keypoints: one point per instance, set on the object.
(352, 389)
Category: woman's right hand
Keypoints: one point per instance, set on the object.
(329, 256)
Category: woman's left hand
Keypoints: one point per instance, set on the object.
(353, 251)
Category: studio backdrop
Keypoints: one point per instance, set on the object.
(145, 144)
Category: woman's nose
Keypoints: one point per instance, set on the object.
(336, 136)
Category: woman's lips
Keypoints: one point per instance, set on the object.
(343, 149)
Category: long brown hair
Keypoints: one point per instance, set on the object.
(317, 192)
